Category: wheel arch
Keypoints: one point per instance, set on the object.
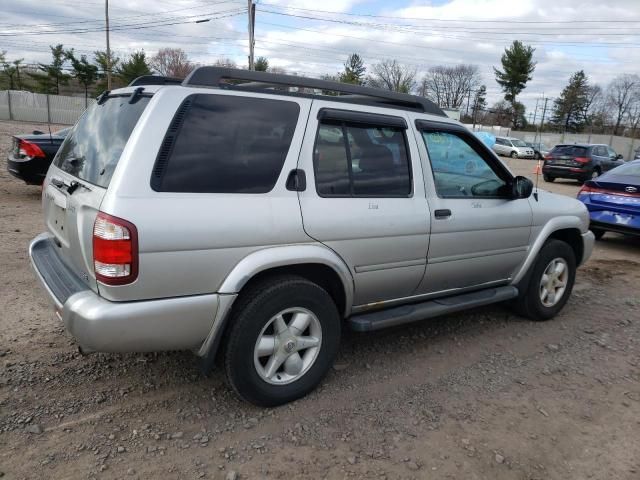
(567, 229)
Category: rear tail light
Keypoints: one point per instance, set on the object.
(115, 250)
(548, 157)
(588, 189)
(30, 150)
(582, 159)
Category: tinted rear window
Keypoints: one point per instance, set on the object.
(570, 150)
(93, 147)
(226, 144)
(630, 169)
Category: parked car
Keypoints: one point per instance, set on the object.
(613, 200)
(539, 150)
(251, 224)
(512, 147)
(31, 154)
(636, 154)
(581, 162)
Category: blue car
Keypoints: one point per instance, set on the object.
(613, 200)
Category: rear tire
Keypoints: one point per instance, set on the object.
(548, 178)
(548, 291)
(258, 316)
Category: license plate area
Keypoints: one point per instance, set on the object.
(56, 212)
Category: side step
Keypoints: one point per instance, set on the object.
(391, 317)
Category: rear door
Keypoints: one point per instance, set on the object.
(365, 197)
(81, 171)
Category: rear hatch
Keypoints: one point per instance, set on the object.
(618, 193)
(568, 155)
(80, 176)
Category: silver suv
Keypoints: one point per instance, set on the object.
(249, 217)
(513, 147)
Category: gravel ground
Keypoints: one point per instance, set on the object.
(477, 395)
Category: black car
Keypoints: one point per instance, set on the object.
(31, 154)
(539, 150)
(580, 162)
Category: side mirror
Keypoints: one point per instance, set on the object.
(37, 132)
(619, 156)
(521, 187)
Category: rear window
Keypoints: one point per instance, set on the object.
(630, 169)
(93, 147)
(569, 150)
(225, 144)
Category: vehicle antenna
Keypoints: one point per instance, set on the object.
(535, 191)
(50, 136)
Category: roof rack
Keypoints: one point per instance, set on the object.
(155, 80)
(223, 77)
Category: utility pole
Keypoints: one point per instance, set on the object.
(106, 17)
(535, 112)
(544, 110)
(252, 23)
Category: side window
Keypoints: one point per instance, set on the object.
(611, 152)
(599, 152)
(226, 144)
(361, 160)
(460, 171)
(499, 141)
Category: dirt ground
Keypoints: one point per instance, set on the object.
(477, 395)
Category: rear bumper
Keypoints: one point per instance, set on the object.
(99, 325)
(31, 171)
(566, 172)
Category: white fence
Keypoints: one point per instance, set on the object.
(39, 107)
(623, 145)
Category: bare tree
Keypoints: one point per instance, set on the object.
(172, 62)
(592, 102)
(622, 93)
(391, 75)
(225, 62)
(449, 87)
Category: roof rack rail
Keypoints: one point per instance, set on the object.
(155, 80)
(223, 77)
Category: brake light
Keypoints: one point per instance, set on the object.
(115, 250)
(588, 189)
(31, 150)
(582, 159)
(548, 157)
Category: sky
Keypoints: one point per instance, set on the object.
(313, 38)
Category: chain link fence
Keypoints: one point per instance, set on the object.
(40, 107)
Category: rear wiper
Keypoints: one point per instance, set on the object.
(103, 96)
(135, 95)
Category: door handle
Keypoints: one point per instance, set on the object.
(442, 214)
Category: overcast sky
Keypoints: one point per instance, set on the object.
(314, 37)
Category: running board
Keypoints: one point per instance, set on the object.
(391, 317)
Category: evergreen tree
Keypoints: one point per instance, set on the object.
(100, 59)
(83, 71)
(479, 101)
(53, 75)
(569, 108)
(136, 66)
(517, 67)
(354, 70)
(261, 64)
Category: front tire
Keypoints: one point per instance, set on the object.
(548, 178)
(514, 155)
(550, 284)
(285, 334)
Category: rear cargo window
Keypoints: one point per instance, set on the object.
(225, 144)
(93, 147)
(569, 150)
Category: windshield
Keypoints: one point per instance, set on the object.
(93, 146)
(518, 143)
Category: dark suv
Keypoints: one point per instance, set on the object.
(581, 162)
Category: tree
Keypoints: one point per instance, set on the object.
(100, 59)
(517, 67)
(261, 64)
(479, 102)
(54, 75)
(134, 67)
(569, 108)
(449, 87)
(83, 71)
(9, 69)
(622, 93)
(390, 75)
(225, 62)
(172, 62)
(354, 70)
